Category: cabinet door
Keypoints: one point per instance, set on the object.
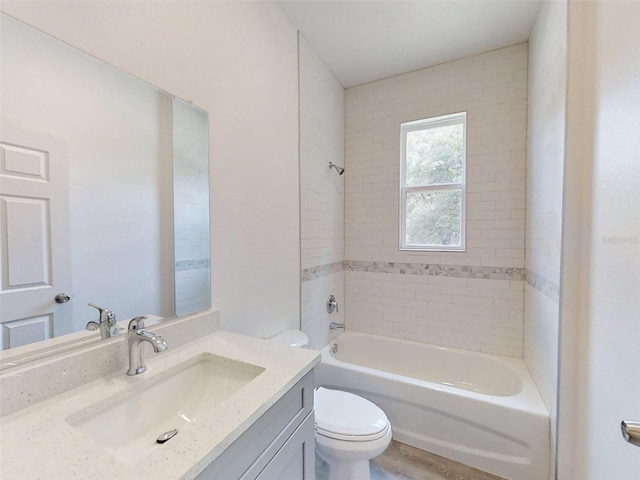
(296, 459)
(250, 454)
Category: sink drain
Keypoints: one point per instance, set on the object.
(166, 436)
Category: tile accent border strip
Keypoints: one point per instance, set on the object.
(438, 270)
(546, 287)
(461, 271)
(184, 265)
(320, 271)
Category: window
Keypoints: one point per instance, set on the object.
(432, 183)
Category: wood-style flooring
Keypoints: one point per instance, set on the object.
(402, 462)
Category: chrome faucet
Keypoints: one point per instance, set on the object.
(332, 304)
(106, 324)
(336, 326)
(136, 335)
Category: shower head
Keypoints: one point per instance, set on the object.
(340, 170)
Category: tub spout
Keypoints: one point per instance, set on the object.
(336, 326)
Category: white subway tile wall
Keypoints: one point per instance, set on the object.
(322, 130)
(545, 176)
(193, 290)
(315, 318)
(191, 209)
(477, 314)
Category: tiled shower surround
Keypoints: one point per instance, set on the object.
(322, 132)
(546, 120)
(417, 292)
(472, 299)
(191, 209)
(546, 287)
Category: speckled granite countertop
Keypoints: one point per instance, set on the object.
(38, 442)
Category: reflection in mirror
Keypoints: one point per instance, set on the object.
(191, 208)
(88, 190)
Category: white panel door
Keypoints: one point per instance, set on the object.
(35, 262)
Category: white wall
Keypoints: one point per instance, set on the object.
(238, 61)
(599, 373)
(476, 299)
(115, 132)
(545, 165)
(321, 195)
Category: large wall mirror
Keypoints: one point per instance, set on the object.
(104, 192)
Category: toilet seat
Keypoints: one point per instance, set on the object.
(353, 438)
(348, 417)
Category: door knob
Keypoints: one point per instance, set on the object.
(631, 431)
(62, 298)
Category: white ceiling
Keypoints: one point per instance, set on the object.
(362, 41)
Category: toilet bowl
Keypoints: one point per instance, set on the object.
(350, 430)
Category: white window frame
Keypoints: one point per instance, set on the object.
(426, 124)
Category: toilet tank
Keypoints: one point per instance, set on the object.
(292, 338)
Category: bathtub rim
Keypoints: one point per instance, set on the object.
(527, 400)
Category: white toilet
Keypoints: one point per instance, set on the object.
(350, 430)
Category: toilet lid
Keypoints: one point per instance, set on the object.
(346, 416)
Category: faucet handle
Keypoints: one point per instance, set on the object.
(332, 304)
(106, 315)
(92, 326)
(136, 324)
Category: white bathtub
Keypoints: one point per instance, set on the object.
(478, 409)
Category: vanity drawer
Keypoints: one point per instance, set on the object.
(253, 450)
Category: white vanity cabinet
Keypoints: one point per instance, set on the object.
(278, 446)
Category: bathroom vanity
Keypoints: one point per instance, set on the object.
(243, 408)
(278, 446)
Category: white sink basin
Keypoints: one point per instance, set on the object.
(189, 393)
